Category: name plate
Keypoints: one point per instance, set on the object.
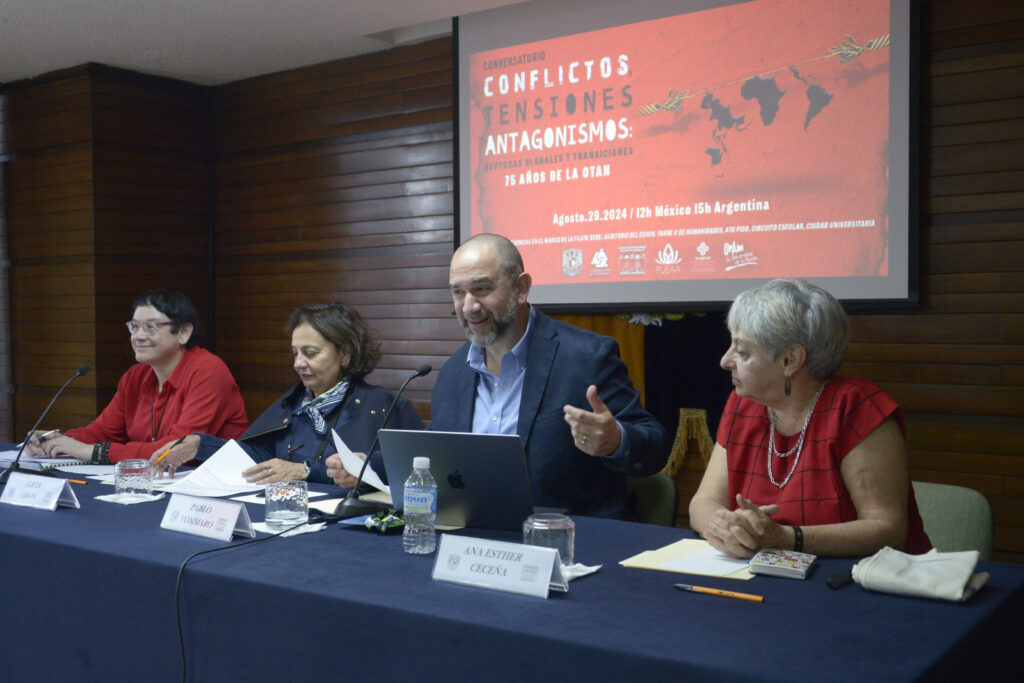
(43, 493)
(209, 517)
(497, 565)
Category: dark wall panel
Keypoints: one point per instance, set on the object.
(108, 176)
(334, 183)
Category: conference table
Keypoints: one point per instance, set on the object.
(89, 594)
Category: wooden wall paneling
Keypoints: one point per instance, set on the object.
(110, 178)
(335, 183)
(49, 235)
(954, 363)
(152, 189)
(264, 91)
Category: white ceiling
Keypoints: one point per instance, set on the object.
(210, 41)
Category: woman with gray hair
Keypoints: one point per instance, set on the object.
(804, 459)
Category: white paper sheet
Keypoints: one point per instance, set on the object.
(89, 470)
(353, 463)
(709, 562)
(260, 499)
(220, 475)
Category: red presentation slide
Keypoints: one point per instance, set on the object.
(741, 142)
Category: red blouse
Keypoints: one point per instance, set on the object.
(847, 411)
(199, 396)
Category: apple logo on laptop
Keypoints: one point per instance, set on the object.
(455, 480)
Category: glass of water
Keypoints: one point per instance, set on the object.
(287, 504)
(552, 530)
(133, 479)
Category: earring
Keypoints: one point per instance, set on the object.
(788, 387)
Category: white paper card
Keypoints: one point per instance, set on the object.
(209, 517)
(497, 565)
(353, 463)
(43, 493)
(220, 475)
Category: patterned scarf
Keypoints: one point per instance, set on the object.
(319, 406)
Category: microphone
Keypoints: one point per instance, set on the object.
(15, 467)
(353, 505)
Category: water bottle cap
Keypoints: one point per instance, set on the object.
(421, 462)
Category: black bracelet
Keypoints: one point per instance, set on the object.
(100, 453)
(798, 539)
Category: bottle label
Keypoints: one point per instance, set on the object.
(418, 501)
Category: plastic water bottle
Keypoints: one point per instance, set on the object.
(420, 508)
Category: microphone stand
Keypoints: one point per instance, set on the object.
(14, 466)
(353, 505)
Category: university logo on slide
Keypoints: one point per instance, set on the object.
(633, 259)
(599, 264)
(572, 262)
(737, 256)
(668, 261)
(668, 256)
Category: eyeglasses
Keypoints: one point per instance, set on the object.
(149, 328)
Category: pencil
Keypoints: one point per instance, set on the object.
(722, 593)
(78, 481)
(164, 454)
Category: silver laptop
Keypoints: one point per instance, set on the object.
(482, 480)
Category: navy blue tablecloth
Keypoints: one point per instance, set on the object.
(89, 595)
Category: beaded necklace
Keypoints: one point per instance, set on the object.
(772, 451)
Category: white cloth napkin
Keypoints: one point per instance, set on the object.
(944, 576)
(304, 529)
(129, 500)
(575, 571)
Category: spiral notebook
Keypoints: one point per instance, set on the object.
(32, 463)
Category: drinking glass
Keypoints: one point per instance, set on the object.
(287, 504)
(552, 530)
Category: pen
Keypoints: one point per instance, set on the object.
(41, 437)
(164, 454)
(78, 481)
(717, 591)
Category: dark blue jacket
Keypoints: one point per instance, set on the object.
(277, 433)
(563, 361)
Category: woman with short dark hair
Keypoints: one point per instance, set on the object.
(805, 458)
(174, 389)
(333, 349)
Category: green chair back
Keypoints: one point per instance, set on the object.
(955, 517)
(652, 500)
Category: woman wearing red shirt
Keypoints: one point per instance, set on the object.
(804, 459)
(176, 388)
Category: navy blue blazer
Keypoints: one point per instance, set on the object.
(563, 361)
(276, 430)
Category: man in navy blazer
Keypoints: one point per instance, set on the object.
(564, 390)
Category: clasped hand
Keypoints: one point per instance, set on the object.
(747, 529)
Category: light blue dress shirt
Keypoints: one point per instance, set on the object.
(496, 408)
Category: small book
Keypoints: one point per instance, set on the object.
(786, 563)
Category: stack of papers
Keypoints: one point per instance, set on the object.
(691, 556)
(220, 475)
